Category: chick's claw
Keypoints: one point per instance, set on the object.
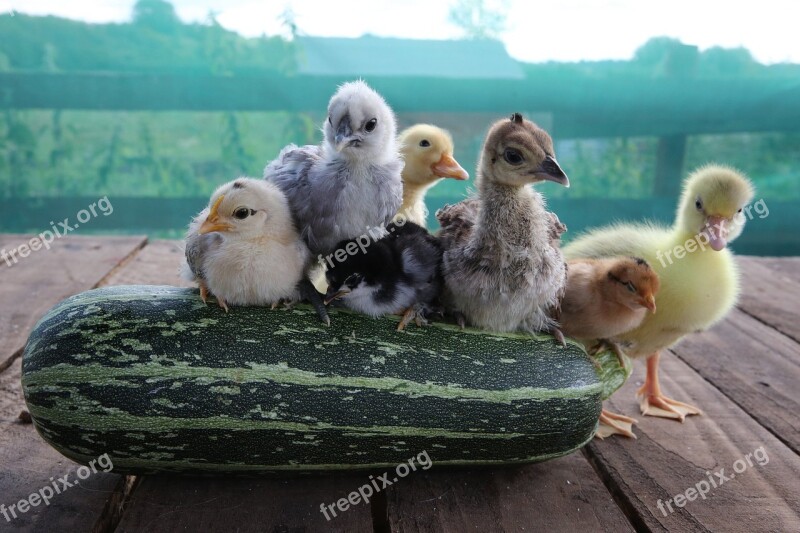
(309, 293)
(417, 313)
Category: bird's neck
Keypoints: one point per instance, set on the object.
(511, 214)
(413, 194)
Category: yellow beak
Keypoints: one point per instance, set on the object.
(447, 167)
(212, 222)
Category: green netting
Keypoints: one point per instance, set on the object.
(154, 114)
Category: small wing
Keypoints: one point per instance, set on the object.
(291, 173)
(619, 239)
(457, 222)
(198, 247)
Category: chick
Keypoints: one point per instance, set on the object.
(698, 275)
(604, 299)
(245, 250)
(501, 270)
(398, 274)
(349, 182)
(428, 155)
(607, 297)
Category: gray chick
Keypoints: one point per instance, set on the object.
(502, 267)
(352, 180)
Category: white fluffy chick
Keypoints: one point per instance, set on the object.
(244, 248)
(352, 180)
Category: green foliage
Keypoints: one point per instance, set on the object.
(478, 20)
(155, 42)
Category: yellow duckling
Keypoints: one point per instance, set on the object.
(699, 277)
(428, 154)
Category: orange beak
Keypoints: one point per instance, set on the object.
(447, 167)
(212, 222)
(650, 303)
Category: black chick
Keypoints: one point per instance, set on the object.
(401, 273)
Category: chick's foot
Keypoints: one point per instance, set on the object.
(203, 292)
(221, 302)
(615, 424)
(605, 344)
(653, 402)
(309, 293)
(418, 313)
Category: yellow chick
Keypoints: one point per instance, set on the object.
(698, 275)
(428, 154)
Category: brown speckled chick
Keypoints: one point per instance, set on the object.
(502, 270)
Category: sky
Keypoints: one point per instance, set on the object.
(554, 30)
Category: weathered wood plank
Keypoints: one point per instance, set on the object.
(669, 458)
(155, 264)
(560, 495)
(28, 465)
(28, 288)
(771, 293)
(30, 285)
(162, 503)
(753, 365)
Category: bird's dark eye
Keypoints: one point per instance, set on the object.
(370, 126)
(513, 157)
(243, 212)
(740, 210)
(698, 203)
(630, 286)
(330, 120)
(424, 143)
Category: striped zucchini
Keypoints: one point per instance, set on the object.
(161, 382)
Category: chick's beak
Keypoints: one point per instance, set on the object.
(447, 167)
(344, 135)
(649, 302)
(550, 170)
(212, 222)
(716, 231)
(334, 294)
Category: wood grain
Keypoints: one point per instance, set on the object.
(35, 283)
(168, 504)
(755, 366)
(560, 495)
(29, 288)
(771, 292)
(669, 457)
(155, 264)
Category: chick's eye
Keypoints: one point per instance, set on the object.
(513, 157)
(242, 213)
(330, 120)
(698, 204)
(740, 210)
(370, 126)
(424, 143)
(630, 287)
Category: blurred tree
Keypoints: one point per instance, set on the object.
(479, 20)
(157, 15)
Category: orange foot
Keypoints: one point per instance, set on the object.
(615, 424)
(203, 292)
(222, 304)
(652, 401)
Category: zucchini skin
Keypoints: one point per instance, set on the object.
(164, 383)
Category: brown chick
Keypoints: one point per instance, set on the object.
(501, 270)
(428, 155)
(605, 298)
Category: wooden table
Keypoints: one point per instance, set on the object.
(744, 373)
